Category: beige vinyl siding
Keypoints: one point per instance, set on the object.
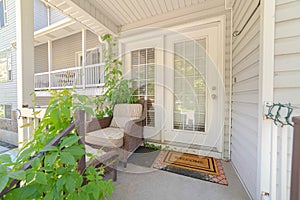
(64, 49)
(8, 90)
(41, 58)
(286, 80)
(245, 72)
(40, 15)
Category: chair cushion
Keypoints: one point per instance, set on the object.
(124, 113)
(107, 137)
(95, 152)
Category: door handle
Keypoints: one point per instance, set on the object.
(213, 96)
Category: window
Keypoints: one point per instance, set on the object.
(3, 13)
(189, 86)
(5, 111)
(93, 56)
(5, 66)
(143, 75)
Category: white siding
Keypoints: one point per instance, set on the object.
(245, 74)
(41, 58)
(55, 16)
(64, 49)
(286, 84)
(8, 90)
(40, 15)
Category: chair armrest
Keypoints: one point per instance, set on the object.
(133, 127)
(98, 123)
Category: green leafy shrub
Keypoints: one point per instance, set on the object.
(53, 175)
(117, 89)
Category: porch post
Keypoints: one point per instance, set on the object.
(25, 55)
(49, 61)
(83, 56)
(266, 86)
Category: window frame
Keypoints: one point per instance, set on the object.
(4, 111)
(78, 56)
(9, 76)
(5, 14)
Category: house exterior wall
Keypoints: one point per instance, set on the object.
(40, 15)
(286, 84)
(64, 49)
(56, 16)
(8, 90)
(287, 52)
(245, 93)
(41, 58)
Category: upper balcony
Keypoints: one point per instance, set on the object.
(60, 63)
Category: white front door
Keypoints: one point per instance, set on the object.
(181, 73)
(194, 90)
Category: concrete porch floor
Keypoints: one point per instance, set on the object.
(141, 183)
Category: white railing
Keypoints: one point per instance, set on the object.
(70, 77)
(66, 78)
(94, 75)
(28, 121)
(281, 161)
(41, 80)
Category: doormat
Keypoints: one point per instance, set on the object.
(144, 156)
(200, 167)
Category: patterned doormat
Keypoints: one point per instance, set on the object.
(201, 167)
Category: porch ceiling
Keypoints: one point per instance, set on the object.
(56, 31)
(86, 12)
(107, 16)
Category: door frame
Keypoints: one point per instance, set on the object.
(142, 35)
(211, 36)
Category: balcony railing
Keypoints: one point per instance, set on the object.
(79, 77)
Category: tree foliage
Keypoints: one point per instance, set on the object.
(53, 175)
(116, 88)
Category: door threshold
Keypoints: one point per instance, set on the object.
(185, 148)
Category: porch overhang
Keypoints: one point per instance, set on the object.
(114, 17)
(57, 31)
(87, 13)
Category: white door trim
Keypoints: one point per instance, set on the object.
(143, 34)
(215, 30)
(266, 86)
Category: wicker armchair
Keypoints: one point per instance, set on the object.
(123, 131)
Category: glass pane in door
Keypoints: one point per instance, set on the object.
(143, 76)
(189, 85)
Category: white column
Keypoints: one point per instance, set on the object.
(266, 87)
(25, 55)
(49, 61)
(83, 56)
